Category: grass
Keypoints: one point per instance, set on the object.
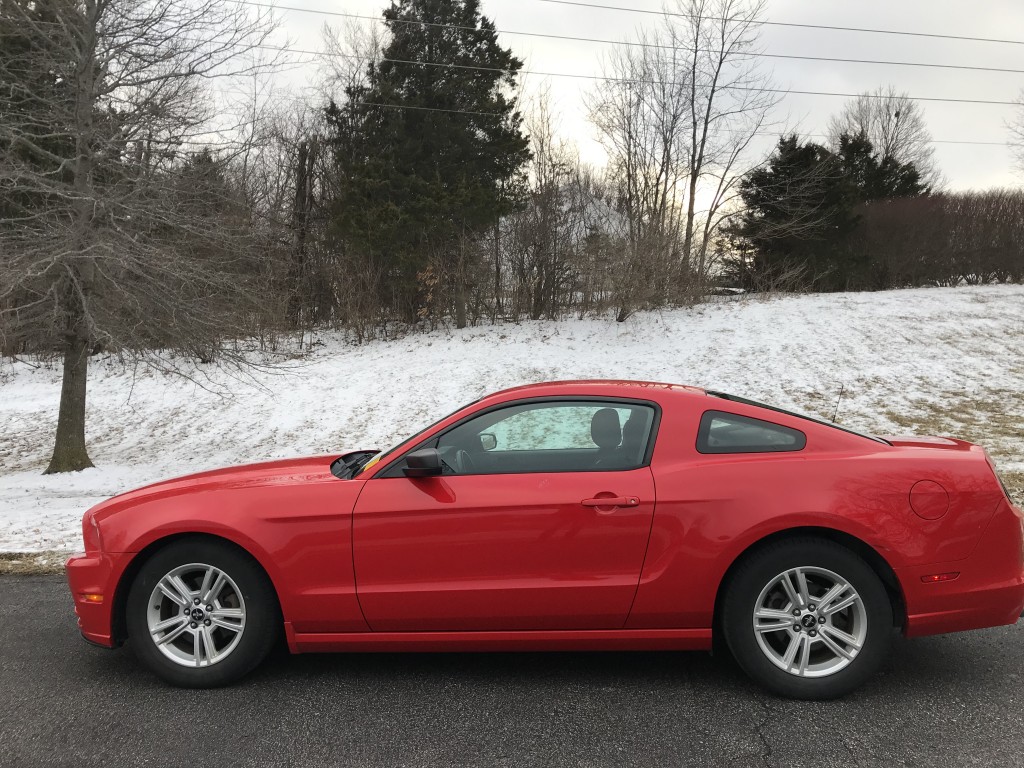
(31, 563)
(985, 421)
(1015, 484)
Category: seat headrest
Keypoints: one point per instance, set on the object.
(633, 432)
(604, 428)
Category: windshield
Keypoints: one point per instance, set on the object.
(373, 461)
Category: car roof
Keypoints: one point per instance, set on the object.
(622, 387)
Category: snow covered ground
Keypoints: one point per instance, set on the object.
(929, 361)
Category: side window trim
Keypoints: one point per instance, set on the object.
(393, 468)
(704, 432)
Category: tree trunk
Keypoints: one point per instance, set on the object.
(69, 453)
(460, 304)
(497, 271)
(460, 285)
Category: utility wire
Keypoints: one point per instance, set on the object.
(757, 54)
(774, 134)
(782, 91)
(864, 30)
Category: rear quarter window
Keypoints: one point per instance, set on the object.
(723, 432)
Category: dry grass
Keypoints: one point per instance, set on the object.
(32, 563)
(1015, 484)
(986, 421)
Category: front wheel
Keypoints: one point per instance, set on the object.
(807, 619)
(201, 614)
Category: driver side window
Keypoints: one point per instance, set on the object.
(551, 437)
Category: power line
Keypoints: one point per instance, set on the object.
(527, 72)
(757, 54)
(865, 30)
(610, 79)
(429, 109)
(532, 72)
(670, 82)
(781, 91)
(772, 134)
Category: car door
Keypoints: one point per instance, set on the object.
(539, 522)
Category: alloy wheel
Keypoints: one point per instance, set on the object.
(196, 615)
(810, 622)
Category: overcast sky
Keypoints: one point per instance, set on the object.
(965, 166)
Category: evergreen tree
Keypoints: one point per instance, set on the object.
(802, 208)
(430, 152)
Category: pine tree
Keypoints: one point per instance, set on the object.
(802, 207)
(430, 152)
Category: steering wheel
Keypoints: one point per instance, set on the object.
(464, 464)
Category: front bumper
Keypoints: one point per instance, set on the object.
(93, 575)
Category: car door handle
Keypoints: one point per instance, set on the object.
(612, 501)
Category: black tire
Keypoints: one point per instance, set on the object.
(759, 570)
(262, 616)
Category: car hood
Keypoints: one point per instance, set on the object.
(306, 470)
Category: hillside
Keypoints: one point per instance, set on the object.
(947, 361)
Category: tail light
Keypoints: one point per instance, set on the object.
(995, 472)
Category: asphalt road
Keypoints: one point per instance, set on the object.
(945, 701)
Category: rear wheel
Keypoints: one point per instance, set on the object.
(807, 619)
(201, 614)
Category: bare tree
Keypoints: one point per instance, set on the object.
(349, 50)
(678, 118)
(895, 125)
(544, 237)
(729, 103)
(640, 115)
(1017, 133)
(121, 227)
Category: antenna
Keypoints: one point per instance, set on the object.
(836, 412)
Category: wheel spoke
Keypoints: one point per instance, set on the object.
(833, 646)
(210, 593)
(848, 639)
(831, 595)
(771, 620)
(208, 645)
(772, 613)
(842, 604)
(805, 654)
(787, 585)
(805, 594)
(174, 634)
(175, 590)
(170, 623)
(197, 647)
(204, 588)
(231, 619)
(791, 649)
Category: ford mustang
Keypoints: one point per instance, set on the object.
(603, 515)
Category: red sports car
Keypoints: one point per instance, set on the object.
(605, 515)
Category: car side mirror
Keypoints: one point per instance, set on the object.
(425, 462)
(488, 441)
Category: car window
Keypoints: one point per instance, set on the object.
(722, 432)
(550, 437)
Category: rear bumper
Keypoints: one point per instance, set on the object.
(988, 592)
(93, 574)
